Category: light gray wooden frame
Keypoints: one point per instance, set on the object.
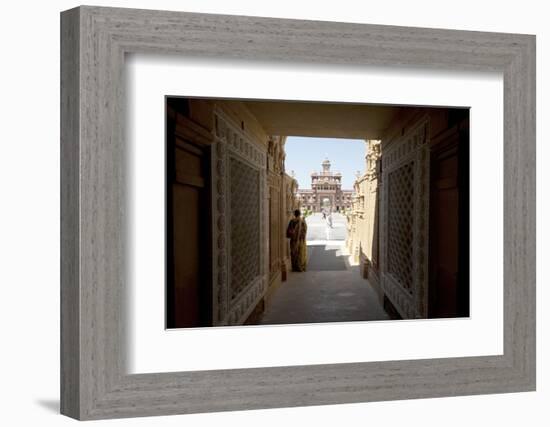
(94, 40)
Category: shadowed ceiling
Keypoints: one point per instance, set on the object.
(322, 119)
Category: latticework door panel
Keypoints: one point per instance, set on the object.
(245, 225)
(400, 224)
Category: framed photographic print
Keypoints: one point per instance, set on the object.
(263, 213)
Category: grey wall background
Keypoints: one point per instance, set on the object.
(29, 218)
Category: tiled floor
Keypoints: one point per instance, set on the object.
(329, 293)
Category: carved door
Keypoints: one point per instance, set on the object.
(188, 222)
(448, 290)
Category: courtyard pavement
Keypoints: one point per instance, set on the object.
(331, 290)
(319, 229)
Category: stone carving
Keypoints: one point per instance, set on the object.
(220, 251)
(239, 162)
(372, 158)
(400, 224)
(404, 220)
(245, 225)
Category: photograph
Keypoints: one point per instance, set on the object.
(298, 212)
(271, 211)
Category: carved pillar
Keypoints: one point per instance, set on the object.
(275, 165)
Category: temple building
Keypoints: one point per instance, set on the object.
(326, 192)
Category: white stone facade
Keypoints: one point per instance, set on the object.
(326, 192)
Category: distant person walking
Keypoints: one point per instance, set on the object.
(296, 232)
(329, 220)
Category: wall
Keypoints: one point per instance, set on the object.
(29, 218)
(363, 225)
(249, 195)
(390, 225)
(239, 203)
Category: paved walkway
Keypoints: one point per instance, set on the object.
(330, 291)
(319, 229)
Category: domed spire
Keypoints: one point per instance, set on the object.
(326, 165)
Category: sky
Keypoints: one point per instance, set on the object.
(305, 155)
